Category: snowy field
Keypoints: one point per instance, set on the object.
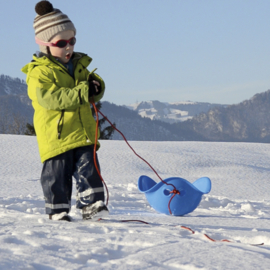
(236, 209)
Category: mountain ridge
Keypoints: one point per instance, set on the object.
(248, 121)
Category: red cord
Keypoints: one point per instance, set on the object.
(187, 228)
(135, 220)
(213, 240)
(95, 151)
(174, 191)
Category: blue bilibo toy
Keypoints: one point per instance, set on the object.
(159, 195)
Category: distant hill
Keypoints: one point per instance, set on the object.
(171, 112)
(12, 86)
(248, 121)
(136, 128)
(15, 106)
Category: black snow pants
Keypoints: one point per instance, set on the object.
(56, 180)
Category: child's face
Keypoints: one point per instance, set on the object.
(63, 54)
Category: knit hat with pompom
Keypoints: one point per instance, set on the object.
(49, 22)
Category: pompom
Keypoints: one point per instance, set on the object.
(43, 7)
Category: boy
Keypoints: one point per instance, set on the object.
(60, 87)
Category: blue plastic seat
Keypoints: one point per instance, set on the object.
(159, 194)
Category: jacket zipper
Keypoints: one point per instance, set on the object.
(60, 126)
(80, 98)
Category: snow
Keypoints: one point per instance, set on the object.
(182, 102)
(135, 105)
(149, 113)
(169, 115)
(237, 209)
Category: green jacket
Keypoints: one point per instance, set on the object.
(63, 119)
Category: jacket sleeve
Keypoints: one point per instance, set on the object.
(53, 97)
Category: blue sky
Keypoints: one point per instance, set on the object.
(175, 50)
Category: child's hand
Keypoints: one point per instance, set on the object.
(94, 88)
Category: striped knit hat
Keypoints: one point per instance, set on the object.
(49, 22)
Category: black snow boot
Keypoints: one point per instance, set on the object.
(62, 216)
(95, 211)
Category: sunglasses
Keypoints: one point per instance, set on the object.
(60, 43)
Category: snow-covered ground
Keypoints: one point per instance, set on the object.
(237, 209)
